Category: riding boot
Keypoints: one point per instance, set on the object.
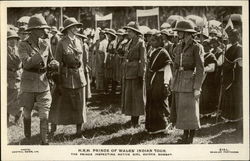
(27, 128)
(191, 136)
(44, 128)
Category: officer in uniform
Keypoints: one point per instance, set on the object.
(188, 75)
(14, 72)
(36, 57)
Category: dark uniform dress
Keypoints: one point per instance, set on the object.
(231, 104)
(133, 90)
(188, 76)
(217, 53)
(69, 102)
(207, 98)
(157, 107)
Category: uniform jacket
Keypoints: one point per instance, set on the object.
(33, 60)
(191, 77)
(13, 68)
(70, 56)
(135, 63)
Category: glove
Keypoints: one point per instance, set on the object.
(197, 94)
(53, 65)
(166, 91)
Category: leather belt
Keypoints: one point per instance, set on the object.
(13, 70)
(35, 70)
(127, 60)
(186, 68)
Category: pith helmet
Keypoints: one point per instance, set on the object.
(12, 34)
(185, 26)
(69, 22)
(133, 26)
(37, 22)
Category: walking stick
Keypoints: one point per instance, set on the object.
(221, 81)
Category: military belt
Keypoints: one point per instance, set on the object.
(37, 70)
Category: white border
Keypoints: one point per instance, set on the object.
(179, 152)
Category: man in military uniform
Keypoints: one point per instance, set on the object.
(35, 54)
(14, 72)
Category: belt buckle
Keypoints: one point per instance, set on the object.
(181, 68)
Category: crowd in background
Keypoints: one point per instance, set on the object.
(174, 76)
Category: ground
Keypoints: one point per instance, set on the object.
(106, 125)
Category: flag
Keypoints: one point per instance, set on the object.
(146, 13)
(229, 26)
(103, 18)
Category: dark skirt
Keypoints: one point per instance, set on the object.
(157, 109)
(185, 111)
(134, 97)
(208, 98)
(68, 107)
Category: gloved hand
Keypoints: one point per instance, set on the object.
(197, 94)
(53, 65)
(166, 91)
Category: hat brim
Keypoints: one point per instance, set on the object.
(131, 28)
(82, 36)
(111, 33)
(74, 24)
(40, 27)
(13, 37)
(185, 30)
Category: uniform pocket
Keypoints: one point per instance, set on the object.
(132, 70)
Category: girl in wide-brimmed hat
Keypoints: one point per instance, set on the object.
(134, 89)
(186, 85)
(68, 105)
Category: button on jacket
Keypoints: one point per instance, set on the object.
(69, 54)
(34, 60)
(190, 77)
(135, 64)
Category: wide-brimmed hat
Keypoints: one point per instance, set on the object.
(37, 22)
(12, 34)
(168, 32)
(69, 22)
(111, 32)
(82, 36)
(133, 26)
(185, 26)
(121, 32)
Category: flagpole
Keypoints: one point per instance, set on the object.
(158, 19)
